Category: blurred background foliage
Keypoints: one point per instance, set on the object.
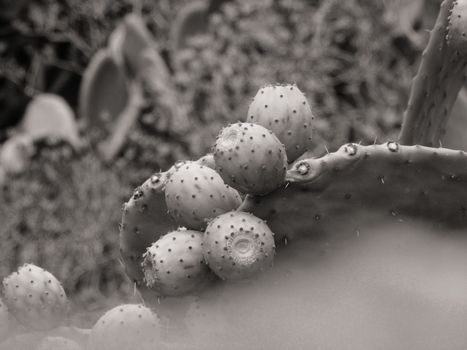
(353, 59)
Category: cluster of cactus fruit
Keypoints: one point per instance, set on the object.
(221, 217)
(264, 161)
(202, 199)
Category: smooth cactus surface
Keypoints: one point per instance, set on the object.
(50, 116)
(284, 109)
(238, 245)
(195, 193)
(439, 78)
(174, 264)
(394, 182)
(4, 321)
(126, 327)
(191, 20)
(35, 298)
(103, 92)
(58, 343)
(136, 39)
(250, 158)
(455, 136)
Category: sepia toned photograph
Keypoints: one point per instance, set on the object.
(233, 174)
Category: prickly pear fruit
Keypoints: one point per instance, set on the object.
(250, 158)
(35, 298)
(174, 264)
(50, 116)
(207, 160)
(4, 321)
(195, 193)
(126, 327)
(284, 110)
(58, 343)
(144, 220)
(237, 245)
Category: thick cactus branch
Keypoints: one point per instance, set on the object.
(395, 181)
(439, 78)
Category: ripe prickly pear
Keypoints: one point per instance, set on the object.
(237, 245)
(250, 158)
(35, 298)
(195, 193)
(144, 220)
(126, 327)
(174, 264)
(284, 110)
(58, 343)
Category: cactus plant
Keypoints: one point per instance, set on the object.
(250, 158)
(195, 193)
(50, 116)
(191, 20)
(174, 264)
(284, 110)
(4, 321)
(390, 180)
(238, 245)
(144, 220)
(123, 327)
(439, 78)
(103, 92)
(35, 298)
(58, 343)
(454, 136)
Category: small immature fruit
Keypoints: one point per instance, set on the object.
(284, 110)
(195, 193)
(250, 158)
(35, 298)
(237, 245)
(58, 343)
(126, 327)
(174, 264)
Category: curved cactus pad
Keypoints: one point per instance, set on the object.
(50, 116)
(394, 182)
(191, 20)
(103, 92)
(137, 39)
